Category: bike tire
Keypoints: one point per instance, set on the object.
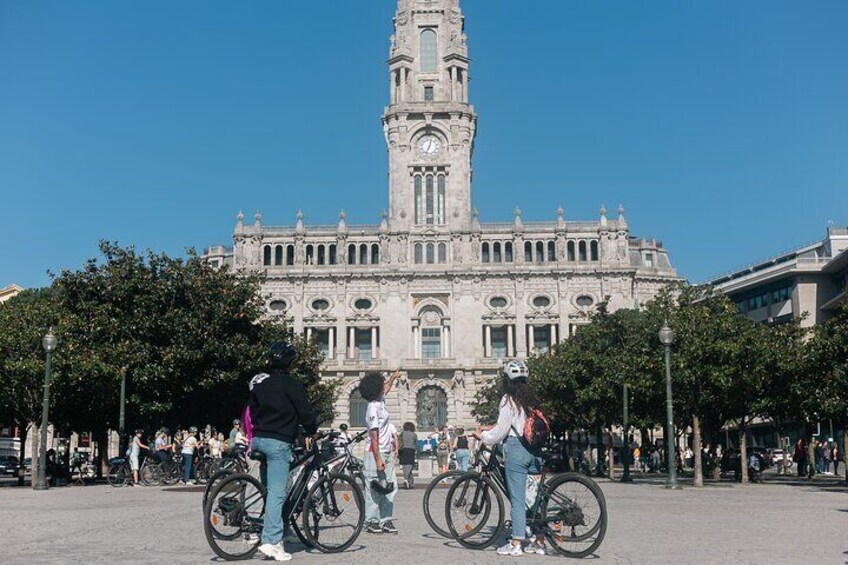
(212, 482)
(457, 499)
(440, 510)
(215, 519)
(118, 475)
(149, 475)
(554, 533)
(322, 502)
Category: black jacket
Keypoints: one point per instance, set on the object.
(278, 403)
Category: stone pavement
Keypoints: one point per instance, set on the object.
(779, 523)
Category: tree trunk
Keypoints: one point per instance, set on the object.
(599, 450)
(611, 456)
(24, 428)
(35, 459)
(698, 481)
(743, 450)
(845, 451)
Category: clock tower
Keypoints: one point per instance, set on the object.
(429, 124)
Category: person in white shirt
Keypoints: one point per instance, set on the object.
(380, 480)
(214, 445)
(189, 445)
(518, 401)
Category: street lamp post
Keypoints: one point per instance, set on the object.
(49, 343)
(625, 448)
(667, 338)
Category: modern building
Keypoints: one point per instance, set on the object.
(808, 282)
(9, 291)
(431, 289)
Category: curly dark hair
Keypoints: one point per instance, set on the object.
(519, 392)
(371, 386)
(408, 427)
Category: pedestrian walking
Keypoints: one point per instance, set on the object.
(380, 478)
(408, 449)
(800, 457)
(460, 450)
(135, 451)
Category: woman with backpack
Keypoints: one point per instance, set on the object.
(518, 405)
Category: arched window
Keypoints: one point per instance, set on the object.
(429, 51)
(551, 251)
(419, 253)
(582, 248)
(431, 408)
(375, 254)
(266, 258)
(508, 252)
(485, 252)
(540, 252)
(528, 252)
(419, 201)
(278, 255)
(593, 248)
(496, 252)
(363, 254)
(430, 197)
(430, 253)
(310, 255)
(332, 257)
(440, 205)
(351, 254)
(289, 254)
(322, 255)
(443, 253)
(570, 248)
(358, 405)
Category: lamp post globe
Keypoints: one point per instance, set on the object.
(666, 335)
(49, 342)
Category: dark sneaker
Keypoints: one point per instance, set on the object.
(373, 528)
(389, 528)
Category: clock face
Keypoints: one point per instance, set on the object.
(429, 146)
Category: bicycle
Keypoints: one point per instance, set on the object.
(569, 509)
(119, 472)
(330, 507)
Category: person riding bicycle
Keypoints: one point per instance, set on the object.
(518, 401)
(278, 404)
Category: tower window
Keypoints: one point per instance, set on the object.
(419, 200)
(429, 51)
(428, 94)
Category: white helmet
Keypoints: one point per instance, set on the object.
(515, 370)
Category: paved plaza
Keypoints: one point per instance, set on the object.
(778, 523)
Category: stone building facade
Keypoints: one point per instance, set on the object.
(431, 289)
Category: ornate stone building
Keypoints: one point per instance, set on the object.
(431, 289)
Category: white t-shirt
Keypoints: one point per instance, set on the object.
(510, 421)
(214, 447)
(377, 417)
(189, 445)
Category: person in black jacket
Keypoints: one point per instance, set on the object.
(278, 405)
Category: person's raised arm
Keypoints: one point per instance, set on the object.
(390, 382)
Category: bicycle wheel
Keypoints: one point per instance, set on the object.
(474, 511)
(333, 514)
(212, 483)
(149, 475)
(575, 514)
(434, 502)
(233, 517)
(118, 475)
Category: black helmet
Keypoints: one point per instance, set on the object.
(282, 354)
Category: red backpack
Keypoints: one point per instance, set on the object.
(536, 431)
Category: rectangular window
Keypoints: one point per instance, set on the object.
(363, 344)
(419, 200)
(542, 338)
(649, 259)
(322, 340)
(498, 342)
(431, 343)
(428, 94)
(430, 200)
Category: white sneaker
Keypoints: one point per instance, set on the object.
(275, 552)
(535, 547)
(511, 549)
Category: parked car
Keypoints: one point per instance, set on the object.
(9, 465)
(27, 465)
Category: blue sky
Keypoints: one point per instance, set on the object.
(721, 126)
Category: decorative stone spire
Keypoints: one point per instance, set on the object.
(384, 221)
(603, 215)
(560, 218)
(240, 221)
(622, 222)
(258, 218)
(475, 220)
(342, 222)
(298, 226)
(518, 224)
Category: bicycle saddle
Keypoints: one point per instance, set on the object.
(257, 456)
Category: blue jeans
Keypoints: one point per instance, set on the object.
(274, 475)
(462, 457)
(187, 461)
(518, 463)
(379, 507)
